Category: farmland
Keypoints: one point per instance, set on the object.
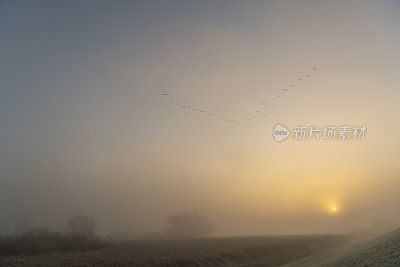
(247, 251)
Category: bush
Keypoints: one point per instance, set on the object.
(82, 225)
(189, 225)
(41, 241)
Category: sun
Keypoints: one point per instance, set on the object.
(333, 209)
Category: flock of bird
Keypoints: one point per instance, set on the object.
(284, 91)
(183, 106)
(258, 113)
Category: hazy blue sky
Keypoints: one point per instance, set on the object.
(85, 129)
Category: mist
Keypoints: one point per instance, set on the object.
(85, 128)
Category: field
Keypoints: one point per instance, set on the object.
(245, 251)
(380, 251)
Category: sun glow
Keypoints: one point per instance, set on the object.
(333, 208)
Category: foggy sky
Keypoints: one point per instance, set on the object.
(84, 128)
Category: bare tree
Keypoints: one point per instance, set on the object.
(82, 225)
(189, 225)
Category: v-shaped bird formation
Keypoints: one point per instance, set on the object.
(184, 106)
(282, 92)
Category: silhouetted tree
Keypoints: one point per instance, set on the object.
(82, 224)
(189, 225)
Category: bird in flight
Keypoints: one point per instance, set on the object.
(291, 85)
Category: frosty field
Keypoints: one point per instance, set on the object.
(268, 250)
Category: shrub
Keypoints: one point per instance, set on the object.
(82, 225)
(41, 241)
(189, 225)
